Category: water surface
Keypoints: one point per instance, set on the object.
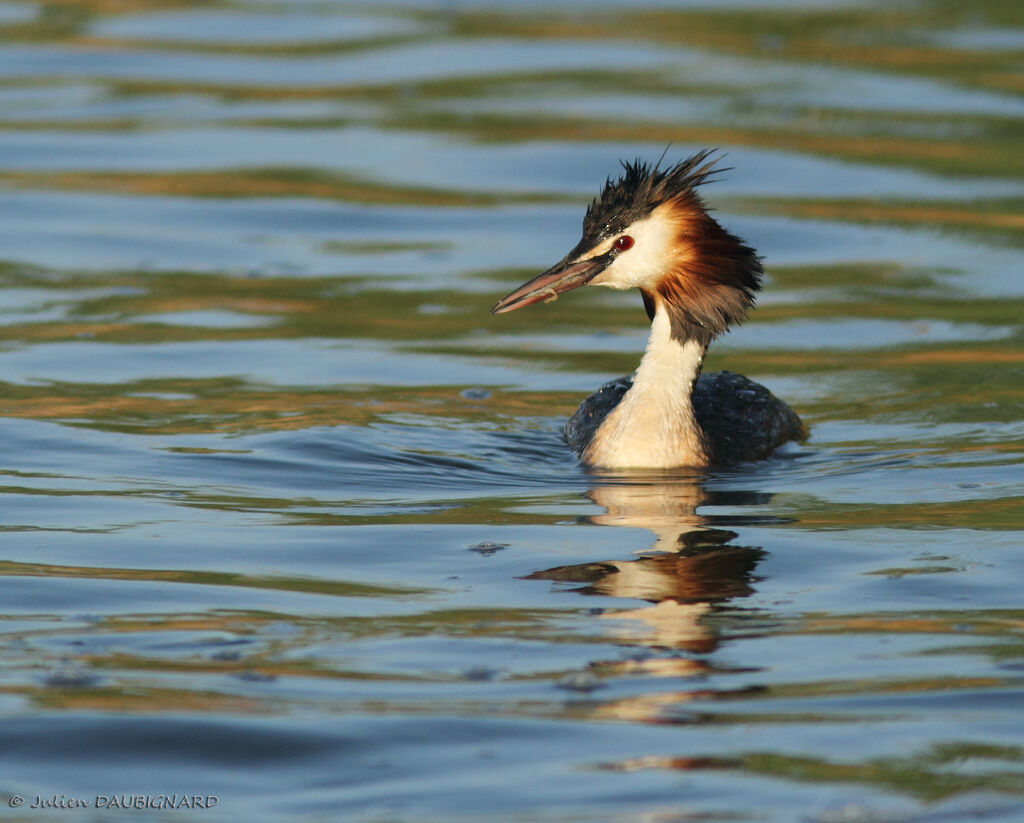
(287, 519)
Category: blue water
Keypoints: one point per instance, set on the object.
(287, 522)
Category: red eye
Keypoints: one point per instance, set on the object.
(624, 243)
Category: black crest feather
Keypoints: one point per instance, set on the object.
(640, 189)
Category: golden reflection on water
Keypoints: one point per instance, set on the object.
(689, 569)
(914, 377)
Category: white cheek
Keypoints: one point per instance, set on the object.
(654, 241)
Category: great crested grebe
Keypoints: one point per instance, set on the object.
(650, 230)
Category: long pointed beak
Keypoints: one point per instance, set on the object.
(561, 277)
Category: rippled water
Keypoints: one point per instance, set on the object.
(287, 520)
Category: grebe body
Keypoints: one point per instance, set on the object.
(650, 230)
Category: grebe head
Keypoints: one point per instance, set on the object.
(650, 230)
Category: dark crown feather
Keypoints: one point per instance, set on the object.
(640, 189)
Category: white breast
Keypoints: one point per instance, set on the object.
(653, 426)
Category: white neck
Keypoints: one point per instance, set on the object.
(653, 426)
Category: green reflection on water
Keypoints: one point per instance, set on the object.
(339, 588)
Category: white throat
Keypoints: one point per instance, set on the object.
(653, 426)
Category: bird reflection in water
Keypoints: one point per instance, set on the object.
(682, 578)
